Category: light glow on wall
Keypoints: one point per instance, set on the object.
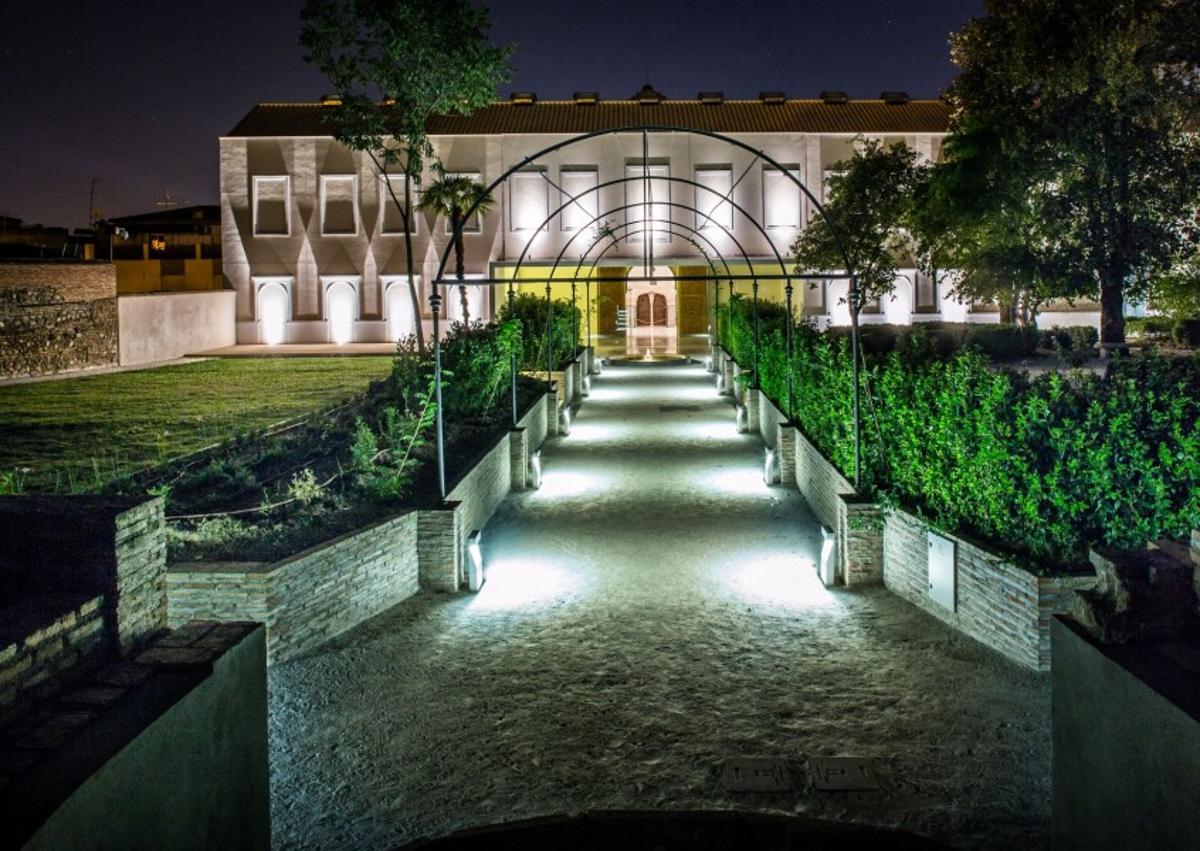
(339, 310)
(272, 313)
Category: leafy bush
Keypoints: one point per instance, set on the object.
(1149, 327)
(476, 365)
(1187, 331)
(530, 311)
(1042, 467)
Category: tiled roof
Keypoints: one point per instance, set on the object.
(568, 117)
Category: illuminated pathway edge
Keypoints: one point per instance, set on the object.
(649, 612)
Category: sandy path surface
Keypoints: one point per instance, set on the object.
(649, 613)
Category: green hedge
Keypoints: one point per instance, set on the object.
(476, 365)
(1043, 468)
(530, 311)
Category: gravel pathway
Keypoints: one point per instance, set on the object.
(650, 612)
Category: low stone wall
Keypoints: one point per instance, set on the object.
(167, 750)
(82, 578)
(997, 603)
(312, 597)
(163, 326)
(57, 317)
(309, 598)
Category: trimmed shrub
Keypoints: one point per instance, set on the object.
(530, 311)
(476, 365)
(1043, 468)
(1187, 331)
(1149, 327)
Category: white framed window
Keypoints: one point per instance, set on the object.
(813, 299)
(341, 308)
(781, 197)
(713, 212)
(339, 205)
(652, 212)
(476, 223)
(272, 308)
(528, 201)
(398, 306)
(578, 185)
(272, 205)
(390, 220)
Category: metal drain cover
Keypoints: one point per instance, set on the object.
(843, 774)
(756, 775)
(671, 409)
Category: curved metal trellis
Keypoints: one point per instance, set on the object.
(854, 296)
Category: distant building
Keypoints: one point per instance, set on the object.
(175, 249)
(21, 241)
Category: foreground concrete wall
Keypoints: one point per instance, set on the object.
(163, 326)
(1126, 734)
(177, 760)
(56, 317)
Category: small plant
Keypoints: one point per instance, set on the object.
(304, 487)
(12, 482)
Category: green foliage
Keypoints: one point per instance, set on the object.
(411, 371)
(381, 457)
(1150, 327)
(1043, 468)
(870, 204)
(530, 312)
(476, 365)
(1076, 137)
(304, 487)
(12, 482)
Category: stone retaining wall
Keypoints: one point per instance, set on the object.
(997, 603)
(57, 317)
(82, 578)
(312, 597)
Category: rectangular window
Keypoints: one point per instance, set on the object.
(339, 204)
(712, 211)
(475, 226)
(578, 184)
(814, 297)
(652, 212)
(925, 293)
(781, 197)
(272, 200)
(528, 201)
(391, 220)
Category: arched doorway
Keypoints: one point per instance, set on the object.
(341, 311)
(400, 319)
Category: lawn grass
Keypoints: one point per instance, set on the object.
(76, 434)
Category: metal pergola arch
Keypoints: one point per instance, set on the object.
(854, 295)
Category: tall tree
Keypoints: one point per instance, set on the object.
(454, 196)
(980, 213)
(1100, 99)
(869, 203)
(393, 64)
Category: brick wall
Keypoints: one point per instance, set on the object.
(309, 598)
(996, 602)
(314, 596)
(56, 317)
(83, 579)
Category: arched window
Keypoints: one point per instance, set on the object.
(274, 308)
(453, 305)
(341, 310)
(399, 310)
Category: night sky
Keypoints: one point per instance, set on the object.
(136, 92)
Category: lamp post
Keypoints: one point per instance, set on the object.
(435, 302)
(754, 291)
(855, 299)
(512, 361)
(549, 338)
(788, 347)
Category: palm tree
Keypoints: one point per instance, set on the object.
(453, 196)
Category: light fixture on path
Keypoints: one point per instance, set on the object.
(474, 561)
(564, 422)
(720, 383)
(535, 469)
(743, 419)
(586, 388)
(827, 569)
(770, 466)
